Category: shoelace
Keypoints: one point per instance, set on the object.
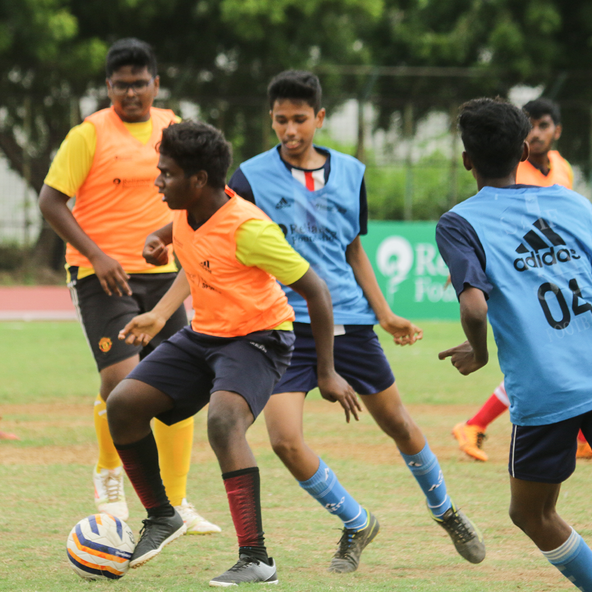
(144, 528)
(459, 528)
(345, 542)
(481, 437)
(112, 486)
(241, 563)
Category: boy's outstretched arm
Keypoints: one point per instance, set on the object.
(472, 354)
(155, 248)
(141, 329)
(332, 386)
(403, 331)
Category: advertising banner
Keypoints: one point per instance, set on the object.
(410, 271)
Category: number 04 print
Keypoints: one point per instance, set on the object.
(577, 307)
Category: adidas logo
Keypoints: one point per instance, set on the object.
(557, 253)
(205, 265)
(283, 203)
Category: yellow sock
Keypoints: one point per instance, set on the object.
(174, 454)
(108, 457)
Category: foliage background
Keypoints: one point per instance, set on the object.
(407, 58)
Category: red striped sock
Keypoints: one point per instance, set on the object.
(243, 491)
(491, 410)
(140, 461)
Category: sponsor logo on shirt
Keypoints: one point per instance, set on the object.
(310, 232)
(325, 207)
(133, 182)
(206, 286)
(205, 265)
(542, 238)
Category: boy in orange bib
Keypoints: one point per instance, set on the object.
(238, 345)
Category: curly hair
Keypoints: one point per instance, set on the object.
(493, 133)
(197, 146)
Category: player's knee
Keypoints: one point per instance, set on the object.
(525, 520)
(119, 410)
(223, 428)
(398, 427)
(288, 449)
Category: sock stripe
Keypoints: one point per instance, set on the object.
(563, 553)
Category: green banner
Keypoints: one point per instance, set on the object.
(410, 271)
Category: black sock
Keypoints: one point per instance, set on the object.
(256, 553)
(140, 461)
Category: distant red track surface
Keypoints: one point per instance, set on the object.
(38, 303)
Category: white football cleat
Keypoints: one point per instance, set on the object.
(195, 523)
(109, 494)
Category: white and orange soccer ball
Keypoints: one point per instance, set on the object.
(100, 546)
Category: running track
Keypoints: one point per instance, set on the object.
(38, 303)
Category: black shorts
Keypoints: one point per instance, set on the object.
(103, 317)
(547, 454)
(359, 358)
(190, 366)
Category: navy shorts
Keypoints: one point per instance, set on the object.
(190, 366)
(359, 358)
(547, 454)
(103, 317)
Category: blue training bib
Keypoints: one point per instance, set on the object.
(538, 248)
(318, 224)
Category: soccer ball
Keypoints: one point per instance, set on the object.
(100, 546)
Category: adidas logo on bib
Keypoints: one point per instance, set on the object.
(545, 238)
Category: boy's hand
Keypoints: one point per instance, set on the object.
(111, 275)
(336, 389)
(463, 358)
(141, 329)
(155, 251)
(403, 331)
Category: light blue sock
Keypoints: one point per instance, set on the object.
(574, 560)
(326, 489)
(426, 470)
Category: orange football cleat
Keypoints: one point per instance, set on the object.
(470, 439)
(584, 450)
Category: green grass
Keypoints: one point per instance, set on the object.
(47, 387)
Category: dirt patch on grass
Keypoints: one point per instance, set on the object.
(41, 427)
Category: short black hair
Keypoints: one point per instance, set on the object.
(493, 133)
(130, 52)
(197, 146)
(296, 85)
(541, 107)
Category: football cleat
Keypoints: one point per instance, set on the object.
(466, 537)
(109, 494)
(351, 544)
(247, 571)
(470, 440)
(195, 523)
(584, 450)
(156, 533)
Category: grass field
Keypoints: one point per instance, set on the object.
(47, 388)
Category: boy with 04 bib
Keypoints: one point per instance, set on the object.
(522, 256)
